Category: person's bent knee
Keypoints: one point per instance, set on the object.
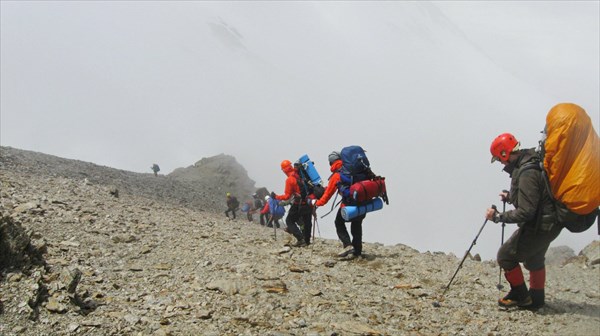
(505, 261)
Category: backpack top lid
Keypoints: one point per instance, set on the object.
(572, 158)
(354, 160)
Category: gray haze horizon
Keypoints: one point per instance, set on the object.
(424, 87)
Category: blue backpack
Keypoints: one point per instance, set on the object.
(276, 210)
(355, 168)
(354, 161)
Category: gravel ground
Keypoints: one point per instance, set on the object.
(96, 252)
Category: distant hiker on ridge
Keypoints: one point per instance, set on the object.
(247, 207)
(232, 205)
(534, 214)
(258, 206)
(271, 215)
(155, 168)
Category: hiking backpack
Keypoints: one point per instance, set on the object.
(246, 207)
(570, 161)
(358, 184)
(277, 211)
(309, 180)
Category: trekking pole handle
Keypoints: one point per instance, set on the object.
(504, 191)
(495, 209)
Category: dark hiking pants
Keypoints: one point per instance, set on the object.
(299, 217)
(528, 247)
(355, 230)
(264, 219)
(228, 211)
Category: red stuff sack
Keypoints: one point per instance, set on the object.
(365, 191)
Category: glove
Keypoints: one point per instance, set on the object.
(273, 194)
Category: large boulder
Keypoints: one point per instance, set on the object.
(592, 253)
(16, 250)
(557, 255)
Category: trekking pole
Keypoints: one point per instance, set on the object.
(436, 303)
(316, 224)
(499, 285)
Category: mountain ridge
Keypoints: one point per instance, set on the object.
(202, 185)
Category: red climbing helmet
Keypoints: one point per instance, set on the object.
(286, 166)
(502, 146)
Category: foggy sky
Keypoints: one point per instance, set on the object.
(424, 87)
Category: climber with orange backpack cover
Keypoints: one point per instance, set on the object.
(563, 177)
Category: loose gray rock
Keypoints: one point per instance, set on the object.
(161, 259)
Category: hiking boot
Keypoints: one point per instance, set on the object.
(350, 256)
(517, 297)
(537, 298)
(300, 243)
(537, 281)
(348, 249)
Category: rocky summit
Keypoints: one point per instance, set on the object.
(92, 250)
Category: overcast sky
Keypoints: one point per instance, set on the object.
(424, 87)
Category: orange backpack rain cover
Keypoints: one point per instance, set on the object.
(572, 158)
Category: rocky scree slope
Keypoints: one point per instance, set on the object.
(201, 186)
(78, 258)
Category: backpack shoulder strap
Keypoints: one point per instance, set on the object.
(535, 164)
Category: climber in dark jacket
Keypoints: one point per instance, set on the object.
(232, 205)
(535, 216)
